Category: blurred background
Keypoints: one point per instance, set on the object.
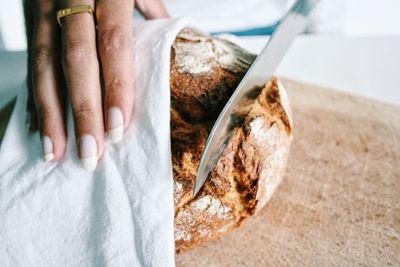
(350, 45)
(250, 17)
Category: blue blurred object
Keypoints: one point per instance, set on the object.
(268, 30)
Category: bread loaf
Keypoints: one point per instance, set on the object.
(204, 72)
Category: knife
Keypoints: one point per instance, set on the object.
(258, 74)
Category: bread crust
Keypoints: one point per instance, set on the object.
(252, 164)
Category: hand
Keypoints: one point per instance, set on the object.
(76, 54)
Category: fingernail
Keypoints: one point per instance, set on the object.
(47, 146)
(115, 124)
(88, 152)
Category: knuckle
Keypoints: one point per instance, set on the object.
(115, 85)
(44, 8)
(76, 52)
(114, 37)
(41, 57)
(84, 110)
(45, 114)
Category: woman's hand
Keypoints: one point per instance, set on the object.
(85, 58)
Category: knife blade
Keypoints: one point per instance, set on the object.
(258, 74)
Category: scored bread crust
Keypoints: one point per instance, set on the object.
(204, 72)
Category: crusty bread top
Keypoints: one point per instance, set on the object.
(205, 72)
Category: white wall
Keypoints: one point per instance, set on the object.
(350, 17)
(372, 17)
(12, 27)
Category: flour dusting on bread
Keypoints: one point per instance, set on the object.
(201, 53)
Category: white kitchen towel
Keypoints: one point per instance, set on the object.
(122, 214)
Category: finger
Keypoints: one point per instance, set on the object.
(46, 87)
(31, 121)
(152, 9)
(81, 72)
(116, 56)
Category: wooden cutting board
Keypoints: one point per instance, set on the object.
(339, 202)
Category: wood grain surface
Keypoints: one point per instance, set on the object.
(339, 202)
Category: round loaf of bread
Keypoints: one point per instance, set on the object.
(204, 73)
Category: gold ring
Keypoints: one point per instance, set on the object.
(73, 10)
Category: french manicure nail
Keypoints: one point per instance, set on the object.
(115, 124)
(47, 146)
(88, 152)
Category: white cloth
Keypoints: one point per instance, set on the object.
(122, 214)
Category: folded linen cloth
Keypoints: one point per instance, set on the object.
(122, 214)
